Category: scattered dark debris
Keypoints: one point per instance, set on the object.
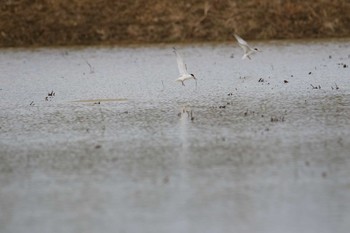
(336, 87)
(310, 73)
(315, 87)
(330, 56)
(246, 113)
(230, 94)
(52, 93)
(285, 81)
(99, 102)
(190, 114)
(343, 65)
(32, 103)
(126, 112)
(261, 80)
(98, 146)
(192, 117)
(277, 119)
(232, 55)
(222, 106)
(292, 76)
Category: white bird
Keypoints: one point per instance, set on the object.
(184, 75)
(246, 48)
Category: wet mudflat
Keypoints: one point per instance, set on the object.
(104, 140)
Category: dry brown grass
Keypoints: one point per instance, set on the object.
(87, 22)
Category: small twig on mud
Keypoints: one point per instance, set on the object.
(315, 87)
(92, 69)
(336, 87)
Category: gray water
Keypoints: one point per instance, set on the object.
(122, 147)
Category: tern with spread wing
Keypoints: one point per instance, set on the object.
(184, 75)
(248, 51)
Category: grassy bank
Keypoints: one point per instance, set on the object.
(91, 22)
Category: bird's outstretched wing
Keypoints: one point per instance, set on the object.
(180, 63)
(240, 40)
(244, 45)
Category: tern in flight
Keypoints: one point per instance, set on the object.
(184, 75)
(246, 48)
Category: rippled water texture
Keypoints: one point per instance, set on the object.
(105, 140)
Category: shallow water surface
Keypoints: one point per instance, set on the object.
(105, 140)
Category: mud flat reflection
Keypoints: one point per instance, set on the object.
(255, 147)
